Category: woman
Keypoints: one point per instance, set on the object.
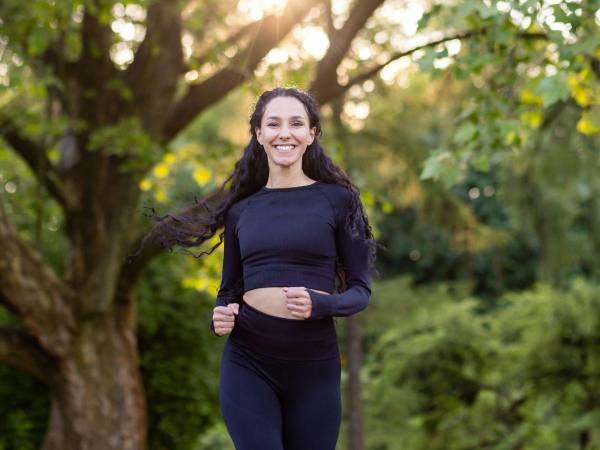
(292, 221)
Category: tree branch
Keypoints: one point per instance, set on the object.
(229, 41)
(21, 351)
(97, 105)
(5, 303)
(325, 79)
(33, 291)
(331, 30)
(376, 69)
(54, 57)
(200, 96)
(96, 40)
(35, 157)
(158, 63)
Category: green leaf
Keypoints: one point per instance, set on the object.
(465, 133)
(431, 169)
(553, 89)
(426, 17)
(587, 45)
(426, 62)
(486, 11)
(481, 162)
(559, 14)
(443, 166)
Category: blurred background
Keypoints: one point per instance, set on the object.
(472, 130)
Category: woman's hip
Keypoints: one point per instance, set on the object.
(284, 338)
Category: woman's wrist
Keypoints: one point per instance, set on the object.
(322, 304)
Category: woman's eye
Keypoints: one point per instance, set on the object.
(295, 124)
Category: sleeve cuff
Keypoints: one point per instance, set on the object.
(322, 304)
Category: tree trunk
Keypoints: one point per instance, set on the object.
(98, 397)
(99, 401)
(355, 413)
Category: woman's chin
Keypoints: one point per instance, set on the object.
(285, 160)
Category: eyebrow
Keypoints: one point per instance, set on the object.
(292, 118)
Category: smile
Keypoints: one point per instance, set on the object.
(284, 148)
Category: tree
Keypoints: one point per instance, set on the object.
(109, 123)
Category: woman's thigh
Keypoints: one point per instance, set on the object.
(250, 406)
(312, 407)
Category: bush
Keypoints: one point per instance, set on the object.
(447, 376)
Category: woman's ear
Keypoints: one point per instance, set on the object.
(257, 131)
(313, 132)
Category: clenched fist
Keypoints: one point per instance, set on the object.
(224, 318)
(298, 301)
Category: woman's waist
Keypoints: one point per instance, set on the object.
(284, 337)
(272, 301)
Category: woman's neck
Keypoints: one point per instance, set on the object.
(285, 182)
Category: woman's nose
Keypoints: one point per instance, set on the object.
(284, 131)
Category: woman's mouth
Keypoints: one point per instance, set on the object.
(284, 148)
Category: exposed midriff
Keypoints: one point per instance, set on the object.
(272, 301)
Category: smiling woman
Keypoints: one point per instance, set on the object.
(294, 226)
(280, 368)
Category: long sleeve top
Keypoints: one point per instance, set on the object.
(291, 236)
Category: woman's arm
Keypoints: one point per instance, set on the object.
(353, 253)
(232, 280)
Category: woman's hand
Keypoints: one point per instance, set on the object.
(224, 319)
(298, 301)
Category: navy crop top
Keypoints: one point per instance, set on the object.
(290, 237)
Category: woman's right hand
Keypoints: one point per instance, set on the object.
(224, 318)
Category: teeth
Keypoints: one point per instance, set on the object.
(284, 148)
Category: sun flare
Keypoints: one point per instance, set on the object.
(256, 9)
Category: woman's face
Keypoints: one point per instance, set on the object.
(285, 131)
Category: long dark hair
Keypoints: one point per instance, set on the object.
(201, 222)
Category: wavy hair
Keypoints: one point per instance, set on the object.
(201, 222)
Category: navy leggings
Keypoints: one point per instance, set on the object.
(280, 383)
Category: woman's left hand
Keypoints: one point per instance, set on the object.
(298, 301)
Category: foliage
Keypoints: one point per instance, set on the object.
(444, 375)
(127, 139)
(179, 356)
(32, 209)
(24, 405)
(522, 58)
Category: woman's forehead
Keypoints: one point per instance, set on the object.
(284, 108)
